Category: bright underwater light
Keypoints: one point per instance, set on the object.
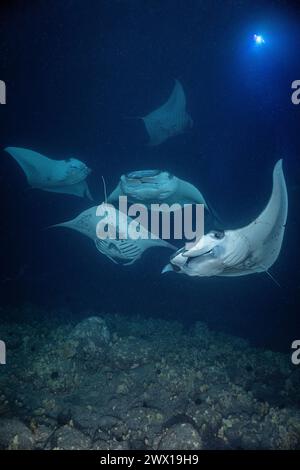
(258, 39)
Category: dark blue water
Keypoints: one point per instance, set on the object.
(75, 71)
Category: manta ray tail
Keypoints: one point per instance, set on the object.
(271, 276)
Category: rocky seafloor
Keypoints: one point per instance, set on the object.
(112, 382)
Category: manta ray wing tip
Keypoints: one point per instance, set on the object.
(61, 224)
(9, 149)
(278, 166)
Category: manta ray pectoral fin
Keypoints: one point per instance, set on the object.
(190, 194)
(105, 252)
(169, 119)
(265, 233)
(123, 250)
(61, 224)
(177, 97)
(115, 194)
(79, 189)
(47, 174)
(235, 257)
(34, 164)
(88, 193)
(256, 247)
(130, 262)
(110, 257)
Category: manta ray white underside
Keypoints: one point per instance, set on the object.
(251, 249)
(156, 187)
(58, 176)
(170, 119)
(119, 249)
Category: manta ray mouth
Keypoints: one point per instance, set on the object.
(208, 252)
(143, 175)
(147, 176)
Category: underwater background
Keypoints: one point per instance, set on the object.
(75, 72)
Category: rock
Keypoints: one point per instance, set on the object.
(143, 422)
(4, 405)
(117, 382)
(130, 352)
(135, 444)
(180, 437)
(68, 438)
(88, 341)
(110, 445)
(86, 418)
(94, 329)
(15, 435)
(100, 445)
(42, 436)
(114, 427)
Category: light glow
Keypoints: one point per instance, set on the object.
(259, 40)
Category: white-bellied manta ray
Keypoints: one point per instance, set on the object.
(156, 187)
(170, 119)
(120, 249)
(59, 176)
(251, 249)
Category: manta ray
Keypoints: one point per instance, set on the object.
(58, 176)
(170, 119)
(121, 248)
(156, 187)
(248, 250)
